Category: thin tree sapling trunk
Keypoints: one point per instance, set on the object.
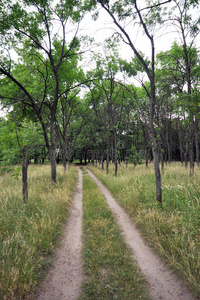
(52, 150)
(24, 174)
(196, 142)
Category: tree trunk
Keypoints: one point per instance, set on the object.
(92, 157)
(64, 150)
(64, 159)
(68, 148)
(107, 161)
(162, 159)
(187, 149)
(146, 145)
(107, 154)
(180, 140)
(196, 142)
(96, 157)
(157, 175)
(52, 150)
(167, 138)
(146, 155)
(24, 174)
(192, 147)
(102, 157)
(156, 163)
(115, 151)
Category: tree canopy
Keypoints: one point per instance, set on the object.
(73, 99)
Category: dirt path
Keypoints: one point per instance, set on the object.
(163, 283)
(64, 279)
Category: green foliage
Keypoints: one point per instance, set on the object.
(154, 16)
(191, 3)
(128, 68)
(47, 70)
(15, 136)
(172, 67)
(135, 66)
(17, 172)
(134, 156)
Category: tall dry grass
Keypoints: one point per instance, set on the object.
(28, 231)
(173, 229)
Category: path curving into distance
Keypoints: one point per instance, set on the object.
(65, 276)
(163, 283)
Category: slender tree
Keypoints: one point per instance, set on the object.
(146, 17)
(38, 28)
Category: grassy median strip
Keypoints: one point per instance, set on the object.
(110, 272)
(173, 228)
(28, 231)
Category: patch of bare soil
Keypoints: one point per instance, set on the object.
(65, 276)
(163, 283)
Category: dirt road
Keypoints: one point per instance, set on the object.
(64, 279)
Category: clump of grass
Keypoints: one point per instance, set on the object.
(28, 231)
(109, 271)
(6, 169)
(84, 172)
(173, 228)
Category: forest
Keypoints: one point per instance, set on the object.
(114, 86)
(69, 96)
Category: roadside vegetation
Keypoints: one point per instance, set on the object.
(171, 228)
(109, 270)
(28, 232)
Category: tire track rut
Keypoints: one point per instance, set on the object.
(164, 284)
(65, 276)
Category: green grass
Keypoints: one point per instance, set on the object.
(84, 172)
(28, 232)
(109, 270)
(173, 229)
